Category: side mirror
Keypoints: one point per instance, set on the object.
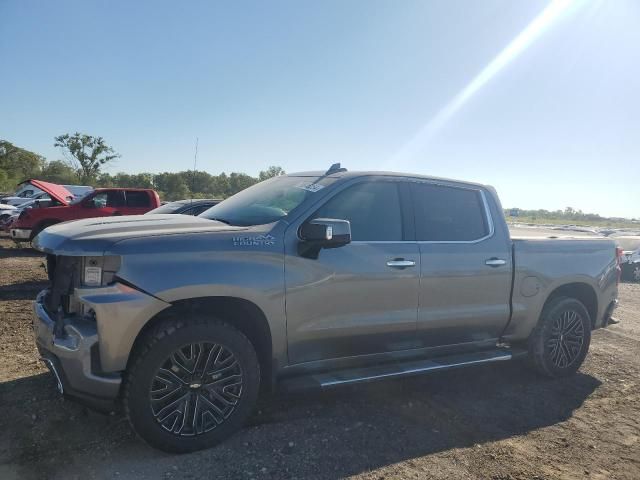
(322, 233)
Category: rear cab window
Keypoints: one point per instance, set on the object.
(137, 199)
(108, 198)
(446, 213)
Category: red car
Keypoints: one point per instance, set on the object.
(102, 202)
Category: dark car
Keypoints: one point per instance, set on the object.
(186, 207)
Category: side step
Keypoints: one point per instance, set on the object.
(395, 370)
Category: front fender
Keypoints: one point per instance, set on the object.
(181, 267)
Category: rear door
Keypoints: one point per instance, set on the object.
(136, 202)
(358, 299)
(465, 267)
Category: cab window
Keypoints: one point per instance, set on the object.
(373, 208)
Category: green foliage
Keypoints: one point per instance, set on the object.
(17, 164)
(58, 172)
(270, 172)
(86, 154)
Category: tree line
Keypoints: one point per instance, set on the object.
(85, 157)
(567, 216)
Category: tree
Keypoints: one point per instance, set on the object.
(272, 171)
(172, 186)
(58, 172)
(17, 164)
(240, 181)
(86, 154)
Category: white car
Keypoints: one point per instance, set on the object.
(630, 261)
(26, 191)
(18, 201)
(6, 210)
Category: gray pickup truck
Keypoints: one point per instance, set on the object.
(307, 280)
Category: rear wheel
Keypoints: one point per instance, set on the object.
(560, 341)
(191, 385)
(635, 272)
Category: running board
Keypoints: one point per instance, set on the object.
(352, 376)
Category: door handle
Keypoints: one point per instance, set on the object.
(401, 263)
(495, 262)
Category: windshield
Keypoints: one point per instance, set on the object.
(266, 201)
(170, 207)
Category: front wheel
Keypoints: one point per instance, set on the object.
(560, 341)
(631, 272)
(191, 385)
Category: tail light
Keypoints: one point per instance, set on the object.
(619, 255)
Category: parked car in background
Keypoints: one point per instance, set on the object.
(630, 260)
(193, 206)
(24, 190)
(103, 202)
(19, 201)
(6, 211)
(29, 190)
(310, 280)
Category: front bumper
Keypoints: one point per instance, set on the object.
(73, 356)
(20, 234)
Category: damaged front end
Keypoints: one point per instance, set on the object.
(66, 274)
(85, 324)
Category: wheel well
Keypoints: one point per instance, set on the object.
(242, 314)
(582, 292)
(42, 225)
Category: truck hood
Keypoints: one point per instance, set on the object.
(54, 190)
(92, 236)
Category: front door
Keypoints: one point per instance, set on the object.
(104, 203)
(361, 298)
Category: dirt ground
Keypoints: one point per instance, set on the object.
(500, 422)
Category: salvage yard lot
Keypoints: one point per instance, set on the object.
(498, 422)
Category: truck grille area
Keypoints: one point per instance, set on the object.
(64, 276)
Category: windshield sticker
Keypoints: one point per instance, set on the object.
(310, 187)
(257, 241)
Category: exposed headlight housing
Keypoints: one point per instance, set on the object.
(99, 271)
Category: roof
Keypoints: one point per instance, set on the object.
(376, 173)
(190, 201)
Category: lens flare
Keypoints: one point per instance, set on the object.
(554, 11)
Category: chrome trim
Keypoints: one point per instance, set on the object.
(401, 263)
(408, 179)
(51, 366)
(495, 262)
(21, 233)
(432, 366)
(487, 211)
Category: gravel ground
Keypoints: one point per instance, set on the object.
(498, 423)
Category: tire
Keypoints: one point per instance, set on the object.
(560, 342)
(198, 411)
(39, 228)
(631, 272)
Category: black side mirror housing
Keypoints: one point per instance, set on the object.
(322, 233)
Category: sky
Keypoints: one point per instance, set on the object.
(540, 99)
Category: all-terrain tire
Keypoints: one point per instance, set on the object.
(199, 414)
(560, 342)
